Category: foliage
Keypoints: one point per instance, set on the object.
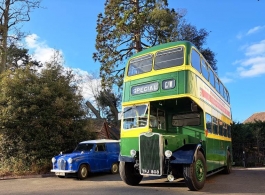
(13, 13)
(198, 38)
(40, 115)
(248, 142)
(129, 26)
(19, 57)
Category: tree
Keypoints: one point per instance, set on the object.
(19, 57)
(13, 13)
(126, 27)
(110, 101)
(129, 26)
(198, 38)
(40, 115)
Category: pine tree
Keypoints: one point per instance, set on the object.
(129, 26)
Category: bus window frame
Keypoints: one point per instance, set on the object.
(198, 66)
(203, 61)
(166, 52)
(138, 59)
(215, 124)
(208, 121)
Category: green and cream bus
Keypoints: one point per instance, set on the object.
(176, 117)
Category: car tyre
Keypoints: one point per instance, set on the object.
(114, 168)
(82, 172)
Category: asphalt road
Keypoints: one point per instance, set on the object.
(241, 181)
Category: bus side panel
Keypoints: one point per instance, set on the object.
(216, 153)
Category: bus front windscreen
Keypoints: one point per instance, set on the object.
(135, 116)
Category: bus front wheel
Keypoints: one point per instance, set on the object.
(128, 175)
(195, 173)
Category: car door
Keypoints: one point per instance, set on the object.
(100, 157)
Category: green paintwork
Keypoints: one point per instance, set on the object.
(215, 150)
(183, 85)
(216, 153)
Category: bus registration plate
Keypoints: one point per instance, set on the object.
(150, 172)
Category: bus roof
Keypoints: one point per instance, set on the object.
(164, 46)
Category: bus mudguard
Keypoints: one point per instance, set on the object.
(126, 159)
(185, 154)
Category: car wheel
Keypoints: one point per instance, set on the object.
(114, 168)
(82, 172)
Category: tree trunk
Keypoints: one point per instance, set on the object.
(137, 34)
(4, 33)
(94, 110)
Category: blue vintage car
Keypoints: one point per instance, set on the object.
(89, 156)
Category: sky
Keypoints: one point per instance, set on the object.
(237, 37)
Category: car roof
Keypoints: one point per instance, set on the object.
(100, 141)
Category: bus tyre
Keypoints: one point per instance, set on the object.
(114, 168)
(128, 175)
(195, 173)
(82, 172)
(228, 167)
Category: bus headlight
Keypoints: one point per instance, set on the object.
(70, 160)
(133, 153)
(168, 153)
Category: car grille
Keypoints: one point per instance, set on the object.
(151, 154)
(61, 164)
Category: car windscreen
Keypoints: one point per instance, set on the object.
(85, 147)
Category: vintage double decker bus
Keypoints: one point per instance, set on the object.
(176, 117)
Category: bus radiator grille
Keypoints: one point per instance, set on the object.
(150, 154)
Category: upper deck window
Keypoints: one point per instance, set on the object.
(204, 68)
(140, 65)
(169, 58)
(195, 60)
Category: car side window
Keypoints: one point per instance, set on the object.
(100, 148)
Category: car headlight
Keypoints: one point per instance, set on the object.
(133, 153)
(168, 153)
(70, 160)
(53, 160)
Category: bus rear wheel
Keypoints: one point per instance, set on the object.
(195, 173)
(228, 167)
(128, 175)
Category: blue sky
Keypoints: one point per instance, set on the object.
(237, 36)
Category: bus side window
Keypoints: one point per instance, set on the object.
(222, 89)
(215, 125)
(211, 77)
(220, 127)
(204, 68)
(225, 129)
(229, 130)
(217, 84)
(209, 123)
(195, 60)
